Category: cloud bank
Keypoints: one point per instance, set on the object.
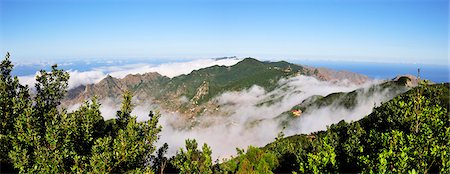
(171, 69)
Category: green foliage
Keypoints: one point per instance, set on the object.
(129, 150)
(160, 162)
(41, 137)
(243, 75)
(124, 114)
(193, 160)
(409, 134)
(323, 156)
(13, 100)
(316, 71)
(255, 160)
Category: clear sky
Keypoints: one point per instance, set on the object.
(412, 31)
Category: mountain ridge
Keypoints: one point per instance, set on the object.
(202, 85)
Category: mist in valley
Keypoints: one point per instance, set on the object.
(255, 116)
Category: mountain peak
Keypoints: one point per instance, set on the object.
(224, 58)
(250, 60)
(108, 79)
(407, 80)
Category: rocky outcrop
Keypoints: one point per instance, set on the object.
(113, 88)
(202, 91)
(407, 80)
(337, 76)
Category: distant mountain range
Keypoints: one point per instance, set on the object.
(193, 94)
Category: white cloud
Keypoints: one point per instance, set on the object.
(28, 80)
(167, 69)
(76, 78)
(83, 78)
(172, 69)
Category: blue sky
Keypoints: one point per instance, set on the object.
(414, 31)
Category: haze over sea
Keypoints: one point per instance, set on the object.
(435, 73)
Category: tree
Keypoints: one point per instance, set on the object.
(352, 147)
(254, 160)
(13, 100)
(50, 90)
(41, 133)
(42, 137)
(323, 156)
(124, 114)
(193, 160)
(128, 150)
(160, 161)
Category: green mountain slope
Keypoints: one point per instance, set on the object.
(349, 100)
(243, 75)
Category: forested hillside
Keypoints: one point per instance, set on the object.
(408, 134)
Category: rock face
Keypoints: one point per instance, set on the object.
(330, 75)
(202, 91)
(113, 88)
(407, 80)
(201, 86)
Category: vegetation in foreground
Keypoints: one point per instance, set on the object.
(409, 134)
